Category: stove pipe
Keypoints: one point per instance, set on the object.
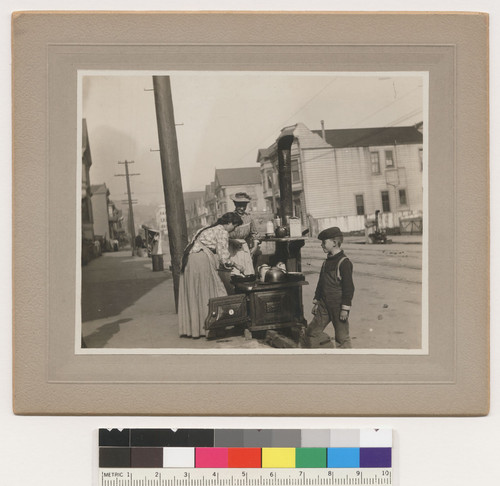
(284, 143)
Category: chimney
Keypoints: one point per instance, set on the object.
(323, 130)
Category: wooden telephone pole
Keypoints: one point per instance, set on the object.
(130, 202)
(171, 173)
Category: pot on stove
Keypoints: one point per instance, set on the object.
(281, 232)
(275, 275)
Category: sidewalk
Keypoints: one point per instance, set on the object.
(126, 305)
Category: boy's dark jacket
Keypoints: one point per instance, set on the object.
(328, 277)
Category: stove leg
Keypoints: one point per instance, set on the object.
(216, 333)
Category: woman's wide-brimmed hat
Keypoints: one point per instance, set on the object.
(241, 197)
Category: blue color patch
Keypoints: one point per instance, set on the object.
(343, 457)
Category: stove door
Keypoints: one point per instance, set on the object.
(227, 311)
(275, 307)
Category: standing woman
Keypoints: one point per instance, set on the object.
(199, 280)
(243, 241)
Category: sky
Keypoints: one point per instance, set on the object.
(223, 118)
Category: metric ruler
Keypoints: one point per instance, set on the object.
(244, 477)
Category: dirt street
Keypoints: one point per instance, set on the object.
(386, 309)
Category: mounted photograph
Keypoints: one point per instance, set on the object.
(251, 214)
(255, 212)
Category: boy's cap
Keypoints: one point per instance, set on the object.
(330, 233)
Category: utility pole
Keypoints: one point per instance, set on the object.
(130, 202)
(171, 173)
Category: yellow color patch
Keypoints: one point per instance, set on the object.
(278, 457)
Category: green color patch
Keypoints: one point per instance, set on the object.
(310, 457)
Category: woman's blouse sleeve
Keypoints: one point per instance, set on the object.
(222, 245)
(254, 234)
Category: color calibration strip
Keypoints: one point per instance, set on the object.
(246, 448)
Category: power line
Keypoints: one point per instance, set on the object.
(405, 117)
(385, 106)
(354, 125)
(379, 130)
(284, 121)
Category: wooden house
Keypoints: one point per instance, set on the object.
(340, 177)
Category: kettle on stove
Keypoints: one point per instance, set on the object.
(281, 232)
(275, 275)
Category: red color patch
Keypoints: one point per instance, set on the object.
(244, 457)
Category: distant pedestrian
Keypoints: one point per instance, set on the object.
(333, 296)
(97, 248)
(369, 225)
(199, 279)
(156, 247)
(138, 241)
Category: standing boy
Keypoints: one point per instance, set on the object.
(333, 296)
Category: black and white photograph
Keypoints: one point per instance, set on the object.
(252, 212)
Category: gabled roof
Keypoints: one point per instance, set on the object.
(265, 153)
(371, 137)
(99, 189)
(237, 177)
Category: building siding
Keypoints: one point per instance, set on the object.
(320, 182)
(332, 177)
(100, 208)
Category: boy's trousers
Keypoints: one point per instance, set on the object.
(325, 313)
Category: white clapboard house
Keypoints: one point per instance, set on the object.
(341, 177)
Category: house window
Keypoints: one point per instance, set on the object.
(297, 208)
(375, 161)
(389, 159)
(402, 197)
(269, 180)
(295, 172)
(360, 205)
(421, 159)
(386, 205)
